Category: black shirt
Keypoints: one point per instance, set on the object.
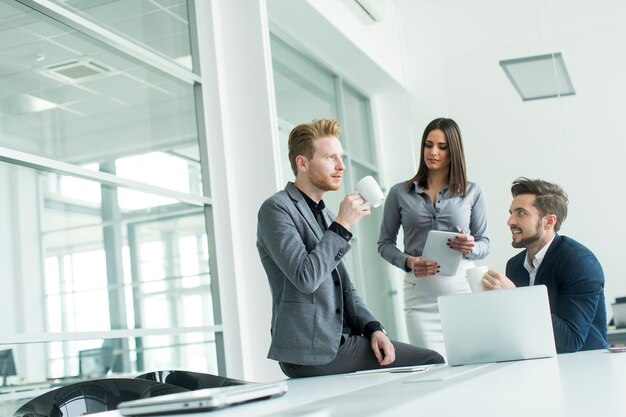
(317, 209)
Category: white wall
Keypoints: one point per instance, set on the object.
(375, 41)
(368, 55)
(453, 49)
(21, 294)
(9, 251)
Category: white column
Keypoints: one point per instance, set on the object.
(22, 299)
(242, 133)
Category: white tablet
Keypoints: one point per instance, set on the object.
(437, 249)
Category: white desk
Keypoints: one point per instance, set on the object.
(585, 384)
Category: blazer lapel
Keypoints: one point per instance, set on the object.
(547, 259)
(304, 209)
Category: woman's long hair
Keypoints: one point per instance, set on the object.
(457, 176)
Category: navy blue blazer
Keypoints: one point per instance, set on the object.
(575, 283)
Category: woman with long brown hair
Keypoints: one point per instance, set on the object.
(438, 197)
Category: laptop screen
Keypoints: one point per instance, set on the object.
(494, 326)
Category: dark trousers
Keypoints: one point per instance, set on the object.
(355, 354)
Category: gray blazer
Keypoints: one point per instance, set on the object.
(298, 257)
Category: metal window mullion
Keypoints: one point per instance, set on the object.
(25, 338)
(371, 143)
(137, 295)
(41, 163)
(367, 166)
(113, 243)
(341, 113)
(345, 131)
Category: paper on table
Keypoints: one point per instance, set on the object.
(395, 370)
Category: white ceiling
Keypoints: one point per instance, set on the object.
(93, 116)
(462, 42)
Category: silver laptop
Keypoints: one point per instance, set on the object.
(202, 399)
(494, 326)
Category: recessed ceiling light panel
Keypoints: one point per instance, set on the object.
(538, 77)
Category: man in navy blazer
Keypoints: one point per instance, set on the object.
(320, 325)
(570, 271)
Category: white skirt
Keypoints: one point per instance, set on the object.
(420, 305)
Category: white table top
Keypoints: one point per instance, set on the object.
(586, 384)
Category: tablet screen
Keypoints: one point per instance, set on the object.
(437, 249)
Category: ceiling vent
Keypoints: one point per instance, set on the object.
(77, 70)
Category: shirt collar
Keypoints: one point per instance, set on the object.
(316, 208)
(419, 189)
(538, 257)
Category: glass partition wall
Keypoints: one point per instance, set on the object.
(107, 241)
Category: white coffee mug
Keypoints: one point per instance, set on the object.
(475, 277)
(369, 189)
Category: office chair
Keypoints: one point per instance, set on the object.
(190, 380)
(95, 396)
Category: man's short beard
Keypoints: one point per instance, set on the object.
(324, 183)
(529, 240)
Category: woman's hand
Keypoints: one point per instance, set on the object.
(422, 268)
(463, 243)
